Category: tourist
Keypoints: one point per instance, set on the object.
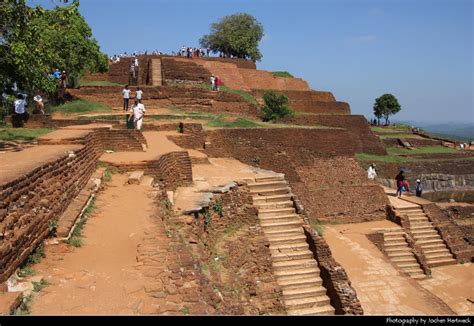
(218, 83)
(208, 50)
(62, 84)
(213, 83)
(400, 178)
(371, 172)
(20, 114)
(132, 69)
(138, 111)
(57, 74)
(39, 107)
(418, 188)
(139, 94)
(126, 97)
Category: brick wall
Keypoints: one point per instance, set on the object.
(29, 203)
(451, 233)
(343, 296)
(356, 125)
(260, 79)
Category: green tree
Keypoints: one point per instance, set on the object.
(34, 41)
(236, 35)
(385, 106)
(276, 106)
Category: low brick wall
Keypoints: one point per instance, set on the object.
(30, 203)
(172, 169)
(452, 235)
(343, 296)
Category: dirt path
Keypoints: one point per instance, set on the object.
(382, 290)
(101, 277)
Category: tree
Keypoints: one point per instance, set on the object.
(236, 35)
(34, 41)
(276, 106)
(385, 106)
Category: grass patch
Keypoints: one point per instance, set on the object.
(9, 134)
(383, 158)
(34, 258)
(284, 74)
(407, 136)
(421, 150)
(76, 237)
(107, 175)
(38, 286)
(98, 83)
(238, 123)
(245, 95)
(26, 271)
(317, 226)
(80, 106)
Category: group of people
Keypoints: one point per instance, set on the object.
(20, 114)
(190, 52)
(402, 184)
(137, 110)
(61, 78)
(216, 83)
(116, 57)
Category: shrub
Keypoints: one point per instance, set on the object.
(276, 106)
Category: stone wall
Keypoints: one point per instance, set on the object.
(317, 163)
(343, 296)
(30, 203)
(260, 79)
(453, 235)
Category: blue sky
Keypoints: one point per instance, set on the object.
(419, 50)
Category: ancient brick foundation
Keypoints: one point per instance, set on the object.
(343, 296)
(451, 233)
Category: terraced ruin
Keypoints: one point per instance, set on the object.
(210, 211)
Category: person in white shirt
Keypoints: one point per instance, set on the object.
(138, 111)
(20, 115)
(213, 83)
(139, 94)
(126, 97)
(371, 173)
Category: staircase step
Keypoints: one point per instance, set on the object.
(280, 225)
(314, 311)
(284, 256)
(435, 250)
(418, 219)
(286, 238)
(276, 211)
(307, 302)
(296, 245)
(271, 192)
(439, 255)
(311, 271)
(274, 205)
(301, 292)
(395, 243)
(281, 218)
(289, 231)
(267, 184)
(441, 262)
(430, 241)
(411, 269)
(433, 247)
(260, 179)
(405, 253)
(271, 199)
(421, 226)
(426, 236)
(404, 259)
(420, 276)
(424, 231)
(408, 265)
(295, 263)
(294, 281)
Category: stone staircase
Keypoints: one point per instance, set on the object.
(427, 237)
(295, 268)
(157, 77)
(401, 254)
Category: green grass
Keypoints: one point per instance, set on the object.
(383, 158)
(421, 150)
(26, 271)
(34, 258)
(76, 237)
(9, 134)
(285, 74)
(317, 226)
(80, 106)
(107, 175)
(38, 286)
(98, 83)
(406, 136)
(24, 308)
(218, 122)
(245, 95)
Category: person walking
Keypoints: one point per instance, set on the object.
(39, 107)
(371, 172)
(418, 188)
(138, 111)
(126, 98)
(218, 83)
(213, 83)
(400, 179)
(139, 94)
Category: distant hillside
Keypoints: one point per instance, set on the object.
(456, 131)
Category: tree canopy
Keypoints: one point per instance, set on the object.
(276, 106)
(35, 41)
(385, 106)
(236, 35)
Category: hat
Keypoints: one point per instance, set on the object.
(418, 180)
(37, 98)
